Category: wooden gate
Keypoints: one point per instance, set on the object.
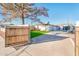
(15, 35)
(77, 41)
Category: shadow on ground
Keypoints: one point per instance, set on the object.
(47, 38)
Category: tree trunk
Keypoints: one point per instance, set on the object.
(23, 22)
(23, 19)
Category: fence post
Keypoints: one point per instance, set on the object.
(77, 39)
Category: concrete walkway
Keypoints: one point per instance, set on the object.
(51, 44)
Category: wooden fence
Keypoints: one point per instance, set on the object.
(16, 35)
(77, 41)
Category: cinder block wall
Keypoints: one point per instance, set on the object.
(2, 32)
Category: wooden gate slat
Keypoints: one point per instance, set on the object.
(16, 35)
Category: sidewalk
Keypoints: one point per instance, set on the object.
(4, 50)
(55, 47)
(62, 47)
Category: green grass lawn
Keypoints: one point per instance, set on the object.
(37, 33)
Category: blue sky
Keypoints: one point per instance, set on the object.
(59, 13)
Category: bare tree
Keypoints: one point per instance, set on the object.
(23, 10)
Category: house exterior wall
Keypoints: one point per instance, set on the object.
(48, 27)
(42, 28)
(54, 28)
